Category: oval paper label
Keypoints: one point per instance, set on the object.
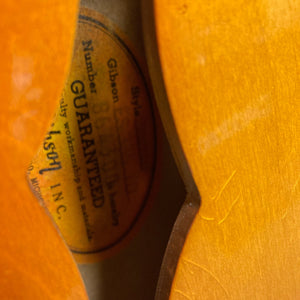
(95, 169)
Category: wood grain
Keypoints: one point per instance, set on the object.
(36, 46)
(231, 74)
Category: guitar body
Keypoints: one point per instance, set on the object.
(231, 74)
(36, 47)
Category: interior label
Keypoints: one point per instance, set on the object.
(95, 169)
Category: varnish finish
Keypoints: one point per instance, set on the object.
(231, 72)
(36, 46)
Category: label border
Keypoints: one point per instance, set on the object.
(95, 23)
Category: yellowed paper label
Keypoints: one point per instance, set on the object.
(95, 169)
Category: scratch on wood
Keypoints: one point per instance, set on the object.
(183, 294)
(208, 272)
(218, 195)
(296, 184)
(230, 209)
(285, 214)
(207, 218)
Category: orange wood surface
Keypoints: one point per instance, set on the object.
(231, 72)
(36, 46)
